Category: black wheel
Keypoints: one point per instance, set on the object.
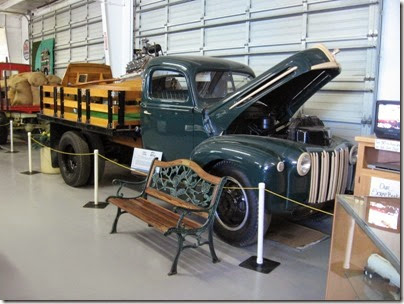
(3, 129)
(94, 142)
(75, 169)
(237, 214)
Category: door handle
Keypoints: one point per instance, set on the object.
(146, 112)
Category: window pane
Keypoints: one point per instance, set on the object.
(219, 84)
(169, 86)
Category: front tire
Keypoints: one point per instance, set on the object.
(237, 214)
(75, 169)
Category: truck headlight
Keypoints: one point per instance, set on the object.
(353, 155)
(303, 164)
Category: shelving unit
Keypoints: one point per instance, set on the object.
(368, 154)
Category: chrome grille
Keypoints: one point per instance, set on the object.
(329, 173)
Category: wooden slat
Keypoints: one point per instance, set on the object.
(191, 164)
(153, 214)
(49, 88)
(48, 100)
(68, 90)
(174, 201)
(131, 109)
(47, 112)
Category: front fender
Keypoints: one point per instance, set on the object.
(258, 165)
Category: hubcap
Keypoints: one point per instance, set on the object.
(70, 160)
(232, 212)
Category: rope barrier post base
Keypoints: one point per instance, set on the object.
(266, 267)
(96, 204)
(258, 263)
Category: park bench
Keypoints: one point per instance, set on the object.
(185, 198)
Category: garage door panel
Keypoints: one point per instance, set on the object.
(152, 19)
(274, 4)
(94, 10)
(49, 22)
(63, 19)
(225, 36)
(78, 53)
(220, 9)
(264, 62)
(345, 23)
(96, 53)
(62, 38)
(79, 34)
(188, 41)
(62, 57)
(94, 31)
(79, 14)
(276, 31)
(344, 129)
(187, 12)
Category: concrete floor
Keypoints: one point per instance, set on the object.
(51, 248)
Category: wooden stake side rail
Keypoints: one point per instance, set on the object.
(97, 106)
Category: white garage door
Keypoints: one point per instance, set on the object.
(77, 29)
(261, 33)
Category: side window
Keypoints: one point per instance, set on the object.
(169, 86)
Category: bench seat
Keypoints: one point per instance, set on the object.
(185, 190)
(153, 214)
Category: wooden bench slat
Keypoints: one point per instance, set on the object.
(151, 213)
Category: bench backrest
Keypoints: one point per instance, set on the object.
(183, 183)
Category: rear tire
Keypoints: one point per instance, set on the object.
(237, 214)
(94, 142)
(75, 169)
(3, 129)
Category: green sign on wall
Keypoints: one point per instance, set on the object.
(43, 53)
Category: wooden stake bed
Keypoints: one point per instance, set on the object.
(110, 106)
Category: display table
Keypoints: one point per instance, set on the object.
(358, 233)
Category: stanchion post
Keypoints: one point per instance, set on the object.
(260, 237)
(29, 154)
(11, 137)
(95, 203)
(29, 172)
(258, 263)
(96, 177)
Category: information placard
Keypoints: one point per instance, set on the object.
(387, 145)
(142, 159)
(383, 187)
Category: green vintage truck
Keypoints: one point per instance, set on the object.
(217, 113)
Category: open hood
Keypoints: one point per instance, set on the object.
(284, 88)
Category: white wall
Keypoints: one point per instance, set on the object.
(16, 32)
(389, 66)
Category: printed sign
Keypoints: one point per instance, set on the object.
(382, 187)
(142, 159)
(25, 49)
(387, 145)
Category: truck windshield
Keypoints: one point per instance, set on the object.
(214, 85)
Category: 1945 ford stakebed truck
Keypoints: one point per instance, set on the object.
(217, 113)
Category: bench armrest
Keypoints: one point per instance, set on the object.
(124, 183)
